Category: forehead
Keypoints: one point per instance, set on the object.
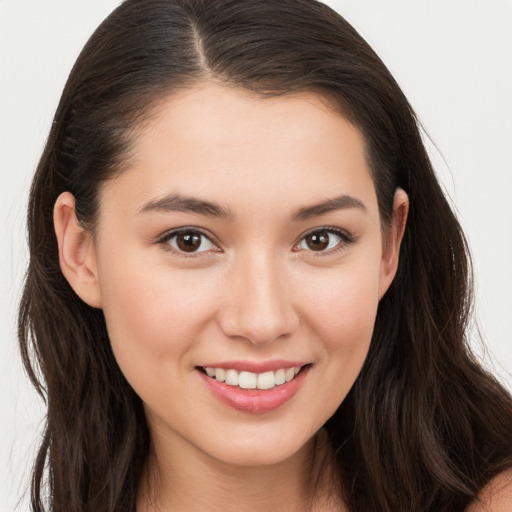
(214, 140)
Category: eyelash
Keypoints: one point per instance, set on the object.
(345, 239)
(167, 237)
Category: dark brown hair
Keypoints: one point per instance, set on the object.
(424, 426)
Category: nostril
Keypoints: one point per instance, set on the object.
(258, 329)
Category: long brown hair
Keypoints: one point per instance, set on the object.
(424, 426)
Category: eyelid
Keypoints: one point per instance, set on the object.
(163, 240)
(346, 237)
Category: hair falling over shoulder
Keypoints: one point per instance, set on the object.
(424, 428)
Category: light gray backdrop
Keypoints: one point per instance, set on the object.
(453, 59)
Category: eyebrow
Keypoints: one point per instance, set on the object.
(341, 202)
(187, 204)
(179, 203)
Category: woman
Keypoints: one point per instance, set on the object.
(246, 288)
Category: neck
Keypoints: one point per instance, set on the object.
(182, 479)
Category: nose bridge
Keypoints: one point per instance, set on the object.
(259, 306)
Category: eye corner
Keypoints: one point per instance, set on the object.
(324, 234)
(200, 243)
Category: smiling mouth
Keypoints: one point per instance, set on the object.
(250, 380)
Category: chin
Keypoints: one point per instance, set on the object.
(263, 451)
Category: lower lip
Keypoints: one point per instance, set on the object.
(253, 400)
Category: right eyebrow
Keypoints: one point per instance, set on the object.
(341, 202)
(180, 203)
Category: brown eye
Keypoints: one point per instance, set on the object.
(317, 241)
(323, 240)
(190, 241)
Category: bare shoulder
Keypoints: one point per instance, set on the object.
(496, 496)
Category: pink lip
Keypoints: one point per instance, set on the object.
(255, 366)
(253, 400)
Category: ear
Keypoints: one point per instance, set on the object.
(392, 240)
(77, 257)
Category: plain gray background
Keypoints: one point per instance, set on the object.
(453, 58)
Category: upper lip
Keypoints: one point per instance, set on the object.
(255, 366)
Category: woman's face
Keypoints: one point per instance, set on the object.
(243, 243)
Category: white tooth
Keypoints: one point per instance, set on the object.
(266, 380)
(247, 380)
(280, 377)
(220, 374)
(210, 372)
(289, 374)
(296, 369)
(232, 377)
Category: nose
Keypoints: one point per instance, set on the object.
(258, 305)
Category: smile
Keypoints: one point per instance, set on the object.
(250, 380)
(266, 388)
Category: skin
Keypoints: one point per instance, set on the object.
(255, 291)
(496, 496)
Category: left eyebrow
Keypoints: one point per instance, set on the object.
(187, 204)
(342, 202)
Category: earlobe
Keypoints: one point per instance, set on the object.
(77, 257)
(392, 241)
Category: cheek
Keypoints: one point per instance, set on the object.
(341, 317)
(343, 322)
(345, 303)
(152, 312)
